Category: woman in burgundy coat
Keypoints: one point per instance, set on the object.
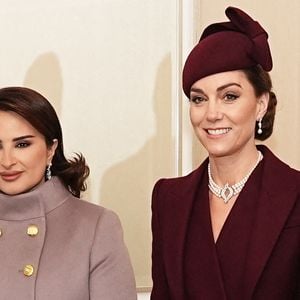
(230, 229)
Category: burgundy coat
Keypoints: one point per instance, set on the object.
(257, 254)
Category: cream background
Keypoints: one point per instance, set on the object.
(112, 69)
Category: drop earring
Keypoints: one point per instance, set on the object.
(259, 124)
(48, 172)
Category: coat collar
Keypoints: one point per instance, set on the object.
(35, 203)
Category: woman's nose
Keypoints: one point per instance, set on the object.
(7, 158)
(214, 111)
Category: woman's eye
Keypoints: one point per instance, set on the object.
(197, 99)
(22, 145)
(230, 97)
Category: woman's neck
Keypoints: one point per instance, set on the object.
(232, 168)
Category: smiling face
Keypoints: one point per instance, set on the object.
(24, 154)
(223, 112)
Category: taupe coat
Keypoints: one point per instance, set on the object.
(77, 254)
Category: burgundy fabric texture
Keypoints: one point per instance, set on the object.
(257, 254)
(238, 44)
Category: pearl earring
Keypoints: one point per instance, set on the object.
(259, 124)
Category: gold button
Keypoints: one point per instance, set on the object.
(1, 232)
(32, 230)
(28, 270)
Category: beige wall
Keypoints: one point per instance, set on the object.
(111, 69)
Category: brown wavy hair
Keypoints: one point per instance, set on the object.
(37, 110)
(262, 83)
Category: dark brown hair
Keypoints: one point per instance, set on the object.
(37, 110)
(262, 83)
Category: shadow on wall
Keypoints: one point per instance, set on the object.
(44, 76)
(127, 186)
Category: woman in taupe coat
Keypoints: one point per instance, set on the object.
(52, 244)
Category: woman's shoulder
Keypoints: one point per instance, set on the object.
(279, 175)
(276, 165)
(91, 210)
(180, 183)
(97, 221)
(177, 193)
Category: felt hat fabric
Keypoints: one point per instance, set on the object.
(238, 44)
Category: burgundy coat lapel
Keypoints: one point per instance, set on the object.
(173, 200)
(275, 202)
(233, 242)
(202, 273)
(179, 215)
(182, 242)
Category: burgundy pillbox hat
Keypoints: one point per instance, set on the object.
(238, 44)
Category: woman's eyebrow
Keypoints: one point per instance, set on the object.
(197, 90)
(228, 85)
(222, 87)
(23, 137)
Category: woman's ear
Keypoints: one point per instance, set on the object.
(263, 102)
(51, 151)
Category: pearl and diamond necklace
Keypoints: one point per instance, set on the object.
(228, 191)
